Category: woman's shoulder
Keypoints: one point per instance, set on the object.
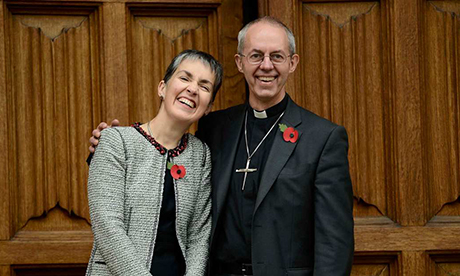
(199, 149)
(123, 132)
(196, 142)
(126, 135)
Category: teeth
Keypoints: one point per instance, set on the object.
(187, 102)
(266, 78)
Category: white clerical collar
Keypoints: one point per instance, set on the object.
(260, 114)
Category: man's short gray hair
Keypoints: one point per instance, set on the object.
(271, 20)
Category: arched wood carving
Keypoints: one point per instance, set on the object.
(155, 41)
(441, 113)
(342, 65)
(52, 101)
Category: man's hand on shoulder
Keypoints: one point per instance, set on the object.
(94, 140)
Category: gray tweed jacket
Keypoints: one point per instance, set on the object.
(125, 187)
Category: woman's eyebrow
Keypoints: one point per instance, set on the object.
(190, 75)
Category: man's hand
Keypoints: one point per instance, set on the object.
(94, 140)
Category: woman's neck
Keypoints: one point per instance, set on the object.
(166, 132)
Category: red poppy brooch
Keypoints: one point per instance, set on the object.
(177, 171)
(290, 134)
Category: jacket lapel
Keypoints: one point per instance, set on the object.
(279, 153)
(231, 129)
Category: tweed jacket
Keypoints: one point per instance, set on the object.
(125, 187)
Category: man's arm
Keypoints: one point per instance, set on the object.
(94, 140)
(334, 240)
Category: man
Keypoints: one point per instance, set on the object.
(282, 195)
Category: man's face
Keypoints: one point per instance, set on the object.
(266, 80)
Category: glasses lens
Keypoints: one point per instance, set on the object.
(277, 58)
(255, 58)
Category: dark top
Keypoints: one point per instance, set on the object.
(233, 245)
(167, 257)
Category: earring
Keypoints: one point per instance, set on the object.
(162, 97)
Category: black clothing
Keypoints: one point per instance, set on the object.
(303, 215)
(167, 257)
(233, 245)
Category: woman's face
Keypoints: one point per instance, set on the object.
(188, 93)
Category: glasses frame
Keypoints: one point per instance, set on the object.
(263, 58)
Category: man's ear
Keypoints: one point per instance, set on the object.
(293, 63)
(239, 62)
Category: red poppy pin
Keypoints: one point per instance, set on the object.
(177, 171)
(290, 134)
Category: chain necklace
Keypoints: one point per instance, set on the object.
(250, 155)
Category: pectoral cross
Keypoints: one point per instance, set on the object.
(246, 171)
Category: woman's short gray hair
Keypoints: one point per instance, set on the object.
(271, 20)
(206, 58)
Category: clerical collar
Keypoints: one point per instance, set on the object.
(275, 110)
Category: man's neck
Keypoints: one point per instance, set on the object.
(264, 104)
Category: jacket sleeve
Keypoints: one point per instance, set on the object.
(197, 251)
(333, 199)
(106, 197)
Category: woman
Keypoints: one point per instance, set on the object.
(149, 184)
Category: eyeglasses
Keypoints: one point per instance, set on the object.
(258, 58)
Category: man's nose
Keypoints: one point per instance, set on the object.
(266, 63)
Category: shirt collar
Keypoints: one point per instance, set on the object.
(273, 111)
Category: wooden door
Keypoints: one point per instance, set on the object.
(389, 72)
(64, 67)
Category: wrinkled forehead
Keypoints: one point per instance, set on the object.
(266, 37)
(193, 62)
(194, 66)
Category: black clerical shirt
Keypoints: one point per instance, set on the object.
(233, 245)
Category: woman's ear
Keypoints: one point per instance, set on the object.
(208, 109)
(161, 89)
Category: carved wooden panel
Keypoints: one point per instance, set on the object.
(442, 103)
(155, 41)
(388, 71)
(47, 270)
(370, 270)
(342, 68)
(445, 264)
(53, 96)
(375, 264)
(158, 33)
(64, 67)
(448, 269)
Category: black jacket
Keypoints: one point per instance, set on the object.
(303, 218)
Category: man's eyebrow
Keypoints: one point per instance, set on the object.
(273, 52)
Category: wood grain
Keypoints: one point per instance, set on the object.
(45, 252)
(115, 67)
(154, 43)
(411, 185)
(441, 116)
(370, 270)
(388, 72)
(343, 82)
(65, 66)
(380, 238)
(5, 270)
(5, 223)
(51, 94)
